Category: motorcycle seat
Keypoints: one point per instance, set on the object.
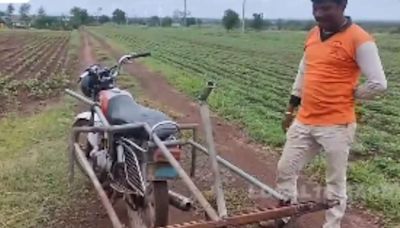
(123, 109)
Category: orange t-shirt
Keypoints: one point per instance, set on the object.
(331, 76)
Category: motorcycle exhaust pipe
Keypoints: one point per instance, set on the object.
(179, 201)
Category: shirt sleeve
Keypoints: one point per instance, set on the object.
(298, 83)
(371, 66)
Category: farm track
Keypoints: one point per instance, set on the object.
(232, 144)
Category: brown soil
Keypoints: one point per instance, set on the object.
(13, 53)
(232, 143)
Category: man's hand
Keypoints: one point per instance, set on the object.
(287, 121)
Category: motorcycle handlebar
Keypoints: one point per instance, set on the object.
(145, 54)
(115, 69)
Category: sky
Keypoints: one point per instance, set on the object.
(288, 9)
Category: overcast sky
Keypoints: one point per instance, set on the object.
(297, 9)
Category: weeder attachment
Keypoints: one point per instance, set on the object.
(260, 215)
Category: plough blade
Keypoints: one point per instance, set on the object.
(259, 215)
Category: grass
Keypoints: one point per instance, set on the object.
(33, 167)
(190, 57)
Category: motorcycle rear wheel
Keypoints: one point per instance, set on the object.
(154, 211)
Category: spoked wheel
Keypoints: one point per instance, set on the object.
(83, 142)
(86, 147)
(154, 212)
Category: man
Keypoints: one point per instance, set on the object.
(336, 53)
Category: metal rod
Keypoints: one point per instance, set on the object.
(207, 91)
(186, 179)
(72, 157)
(259, 215)
(188, 126)
(80, 97)
(170, 143)
(101, 116)
(194, 154)
(179, 201)
(242, 173)
(205, 116)
(103, 196)
(111, 129)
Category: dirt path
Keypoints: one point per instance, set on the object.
(232, 144)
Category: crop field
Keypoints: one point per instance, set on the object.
(33, 65)
(254, 74)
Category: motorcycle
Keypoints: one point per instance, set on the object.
(127, 164)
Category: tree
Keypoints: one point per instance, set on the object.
(279, 24)
(10, 9)
(258, 21)
(190, 21)
(166, 22)
(104, 19)
(119, 16)
(230, 19)
(41, 20)
(24, 11)
(154, 21)
(79, 17)
(41, 12)
(179, 16)
(199, 22)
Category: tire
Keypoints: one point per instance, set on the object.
(85, 145)
(160, 202)
(153, 211)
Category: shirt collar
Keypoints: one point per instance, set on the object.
(327, 35)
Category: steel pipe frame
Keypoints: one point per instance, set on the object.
(185, 178)
(97, 185)
(210, 211)
(252, 180)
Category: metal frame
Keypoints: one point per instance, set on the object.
(218, 219)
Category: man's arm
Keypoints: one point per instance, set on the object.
(371, 66)
(295, 98)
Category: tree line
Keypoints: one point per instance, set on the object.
(80, 16)
(231, 20)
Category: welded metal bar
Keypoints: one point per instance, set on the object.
(170, 143)
(80, 97)
(241, 173)
(185, 178)
(101, 116)
(111, 129)
(95, 105)
(188, 126)
(205, 116)
(103, 196)
(259, 215)
(194, 154)
(72, 140)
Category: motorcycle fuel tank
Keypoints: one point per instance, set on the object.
(106, 95)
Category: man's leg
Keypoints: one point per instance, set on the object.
(299, 149)
(336, 142)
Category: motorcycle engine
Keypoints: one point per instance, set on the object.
(101, 160)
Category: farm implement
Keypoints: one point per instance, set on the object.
(130, 153)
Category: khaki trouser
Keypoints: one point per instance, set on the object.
(303, 143)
